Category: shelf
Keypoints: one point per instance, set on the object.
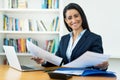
(29, 32)
(18, 54)
(30, 10)
(33, 12)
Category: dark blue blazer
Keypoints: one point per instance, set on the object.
(88, 42)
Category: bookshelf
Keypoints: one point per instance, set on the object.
(22, 19)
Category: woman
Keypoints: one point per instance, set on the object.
(79, 40)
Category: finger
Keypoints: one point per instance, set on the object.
(102, 66)
(33, 58)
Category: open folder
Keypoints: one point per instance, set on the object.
(86, 60)
(83, 72)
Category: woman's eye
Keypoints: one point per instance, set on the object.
(69, 18)
(76, 15)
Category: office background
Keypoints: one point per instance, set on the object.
(103, 18)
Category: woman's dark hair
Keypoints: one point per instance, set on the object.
(79, 9)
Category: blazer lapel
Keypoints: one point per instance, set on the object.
(66, 42)
(80, 42)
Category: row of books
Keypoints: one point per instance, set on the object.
(51, 45)
(15, 24)
(44, 4)
(19, 44)
(55, 25)
(50, 4)
(15, 3)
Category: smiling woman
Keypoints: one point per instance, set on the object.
(79, 40)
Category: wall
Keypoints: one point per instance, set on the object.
(115, 66)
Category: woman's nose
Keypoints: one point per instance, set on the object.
(73, 20)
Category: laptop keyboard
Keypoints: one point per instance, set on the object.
(25, 67)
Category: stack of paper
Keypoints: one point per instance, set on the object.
(86, 60)
(41, 53)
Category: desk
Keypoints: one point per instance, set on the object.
(7, 73)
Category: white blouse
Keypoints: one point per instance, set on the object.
(71, 46)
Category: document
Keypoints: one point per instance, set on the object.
(72, 71)
(41, 53)
(88, 59)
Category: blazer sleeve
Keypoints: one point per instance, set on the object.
(97, 45)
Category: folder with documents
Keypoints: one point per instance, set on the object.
(84, 72)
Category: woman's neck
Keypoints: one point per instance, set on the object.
(76, 34)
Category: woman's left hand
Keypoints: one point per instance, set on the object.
(103, 66)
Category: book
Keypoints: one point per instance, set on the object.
(33, 25)
(30, 25)
(56, 4)
(17, 28)
(23, 45)
(55, 24)
(22, 3)
(14, 3)
(44, 4)
(56, 44)
(50, 45)
(5, 22)
(10, 24)
(6, 41)
(41, 26)
(49, 4)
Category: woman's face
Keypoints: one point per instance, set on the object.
(73, 19)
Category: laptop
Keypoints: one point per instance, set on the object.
(14, 61)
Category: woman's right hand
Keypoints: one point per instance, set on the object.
(38, 60)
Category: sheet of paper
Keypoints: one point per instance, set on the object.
(41, 53)
(73, 72)
(88, 59)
